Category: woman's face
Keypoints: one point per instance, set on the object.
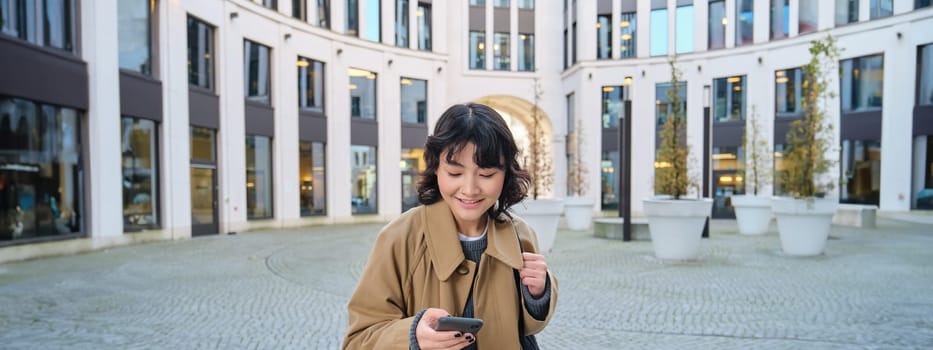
(468, 189)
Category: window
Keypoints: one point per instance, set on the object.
(133, 33)
(717, 24)
(200, 54)
(745, 22)
(140, 173)
(49, 22)
(258, 177)
(40, 170)
(808, 16)
(788, 92)
(257, 72)
(880, 8)
(778, 169)
(604, 37)
(299, 9)
(627, 35)
(612, 105)
(573, 45)
(572, 150)
(267, 3)
(658, 32)
(352, 18)
(922, 3)
(862, 79)
(501, 3)
(477, 2)
(860, 165)
(413, 164)
(414, 101)
(401, 23)
(608, 182)
(321, 14)
(424, 26)
(312, 186)
(684, 29)
(663, 104)
(526, 4)
(846, 11)
(729, 99)
(501, 56)
(566, 44)
(310, 85)
(363, 177)
(362, 94)
(526, 52)
(780, 19)
(371, 17)
(727, 179)
(477, 50)
(925, 75)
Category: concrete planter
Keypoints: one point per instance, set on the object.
(752, 213)
(542, 215)
(804, 223)
(677, 226)
(579, 213)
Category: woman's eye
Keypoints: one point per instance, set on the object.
(453, 174)
(488, 175)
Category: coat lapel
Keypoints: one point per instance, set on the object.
(442, 240)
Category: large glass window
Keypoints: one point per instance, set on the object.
(414, 101)
(780, 18)
(684, 29)
(612, 105)
(627, 35)
(880, 8)
(604, 37)
(19, 19)
(608, 182)
(526, 52)
(925, 76)
(861, 171)
(372, 17)
(717, 24)
(320, 15)
(477, 50)
(310, 84)
(808, 16)
(862, 80)
(573, 45)
(133, 35)
(412, 165)
(140, 161)
(200, 54)
(729, 99)
(352, 17)
(401, 23)
(846, 11)
(658, 32)
(299, 9)
(502, 59)
(41, 178)
(363, 174)
(663, 104)
(424, 26)
(258, 177)
(787, 92)
(745, 22)
(311, 170)
(362, 94)
(922, 3)
(48, 22)
(58, 23)
(257, 71)
(727, 179)
(573, 150)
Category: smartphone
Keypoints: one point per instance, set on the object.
(462, 324)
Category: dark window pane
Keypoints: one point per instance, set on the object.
(200, 54)
(258, 177)
(140, 173)
(310, 85)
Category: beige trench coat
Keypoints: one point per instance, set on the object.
(417, 263)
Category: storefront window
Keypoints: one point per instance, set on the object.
(258, 177)
(41, 191)
(311, 167)
(728, 180)
(729, 99)
(412, 164)
(861, 171)
(362, 94)
(608, 181)
(363, 176)
(414, 100)
(140, 173)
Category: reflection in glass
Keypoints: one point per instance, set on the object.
(729, 99)
(717, 24)
(133, 35)
(846, 11)
(658, 32)
(728, 179)
(862, 83)
(787, 92)
(663, 104)
(603, 37)
(258, 177)
(401, 23)
(880, 8)
(140, 173)
(628, 35)
(257, 66)
(58, 25)
(611, 105)
(414, 100)
(684, 29)
(745, 22)
(925, 76)
(412, 164)
(203, 145)
(424, 26)
(861, 171)
(202, 196)
(477, 50)
(526, 52)
(502, 59)
(923, 157)
(608, 182)
(373, 22)
(352, 18)
(310, 85)
(362, 94)
(322, 14)
(808, 16)
(363, 176)
(200, 54)
(780, 18)
(778, 168)
(312, 186)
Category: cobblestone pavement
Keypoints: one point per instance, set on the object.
(873, 289)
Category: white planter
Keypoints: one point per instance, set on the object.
(804, 223)
(677, 226)
(752, 213)
(579, 213)
(542, 215)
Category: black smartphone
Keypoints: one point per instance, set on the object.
(462, 324)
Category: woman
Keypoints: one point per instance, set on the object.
(455, 254)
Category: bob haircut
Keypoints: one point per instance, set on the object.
(482, 126)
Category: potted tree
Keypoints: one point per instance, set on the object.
(675, 222)
(753, 211)
(804, 218)
(578, 207)
(542, 214)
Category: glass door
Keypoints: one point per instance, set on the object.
(203, 200)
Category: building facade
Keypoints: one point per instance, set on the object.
(127, 121)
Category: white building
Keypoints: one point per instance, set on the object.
(133, 121)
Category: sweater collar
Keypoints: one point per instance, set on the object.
(444, 244)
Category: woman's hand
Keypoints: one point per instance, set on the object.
(429, 339)
(534, 273)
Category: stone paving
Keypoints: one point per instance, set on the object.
(873, 289)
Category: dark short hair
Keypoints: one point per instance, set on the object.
(482, 126)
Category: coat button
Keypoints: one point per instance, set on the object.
(463, 270)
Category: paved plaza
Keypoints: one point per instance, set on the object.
(873, 289)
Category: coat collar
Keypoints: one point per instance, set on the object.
(440, 231)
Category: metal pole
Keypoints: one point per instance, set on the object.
(708, 151)
(625, 170)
